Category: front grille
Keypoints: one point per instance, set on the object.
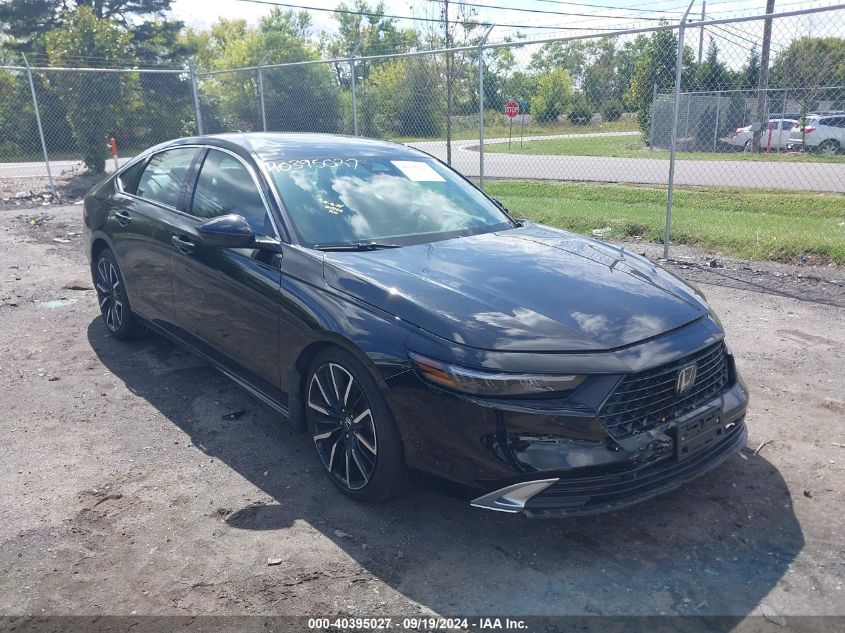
(647, 399)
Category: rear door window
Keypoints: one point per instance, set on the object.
(225, 186)
(165, 177)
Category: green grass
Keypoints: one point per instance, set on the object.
(633, 147)
(770, 225)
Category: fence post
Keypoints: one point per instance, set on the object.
(261, 90)
(481, 108)
(716, 127)
(352, 86)
(193, 69)
(679, 69)
(651, 123)
(40, 129)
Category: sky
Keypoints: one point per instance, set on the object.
(735, 40)
(202, 13)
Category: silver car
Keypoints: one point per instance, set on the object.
(775, 135)
(824, 134)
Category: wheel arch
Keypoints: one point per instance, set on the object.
(297, 372)
(98, 245)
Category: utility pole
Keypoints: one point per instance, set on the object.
(701, 32)
(447, 42)
(763, 80)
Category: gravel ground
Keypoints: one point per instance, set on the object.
(126, 491)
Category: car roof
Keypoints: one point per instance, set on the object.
(288, 145)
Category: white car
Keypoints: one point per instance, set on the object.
(824, 134)
(779, 128)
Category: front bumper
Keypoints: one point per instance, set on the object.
(579, 495)
(567, 455)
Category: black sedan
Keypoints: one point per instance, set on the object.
(376, 297)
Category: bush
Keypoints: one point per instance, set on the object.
(406, 99)
(581, 113)
(612, 111)
(554, 92)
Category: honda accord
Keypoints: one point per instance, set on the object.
(380, 300)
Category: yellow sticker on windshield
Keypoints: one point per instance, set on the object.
(333, 207)
(418, 171)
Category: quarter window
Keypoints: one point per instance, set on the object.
(225, 186)
(129, 177)
(165, 176)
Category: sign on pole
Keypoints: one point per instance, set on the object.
(523, 110)
(512, 110)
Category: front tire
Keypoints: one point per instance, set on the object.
(352, 427)
(111, 295)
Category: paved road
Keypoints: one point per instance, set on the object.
(38, 169)
(705, 173)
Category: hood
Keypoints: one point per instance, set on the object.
(528, 289)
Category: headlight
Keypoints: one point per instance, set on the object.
(494, 384)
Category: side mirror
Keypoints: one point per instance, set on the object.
(227, 231)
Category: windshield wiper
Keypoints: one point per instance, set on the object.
(357, 246)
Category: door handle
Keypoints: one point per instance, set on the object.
(123, 218)
(183, 244)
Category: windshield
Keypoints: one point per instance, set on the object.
(359, 200)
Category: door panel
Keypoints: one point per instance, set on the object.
(142, 248)
(140, 226)
(226, 300)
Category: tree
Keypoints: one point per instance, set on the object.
(96, 103)
(712, 74)
(811, 69)
(571, 56)
(28, 21)
(376, 35)
(297, 98)
(553, 95)
(17, 121)
(749, 76)
(655, 67)
(459, 28)
(626, 61)
(404, 100)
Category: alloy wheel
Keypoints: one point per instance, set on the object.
(828, 149)
(343, 426)
(109, 294)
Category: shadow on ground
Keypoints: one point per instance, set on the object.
(717, 546)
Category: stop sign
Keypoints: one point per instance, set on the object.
(512, 109)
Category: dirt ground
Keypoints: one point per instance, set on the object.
(125, 491)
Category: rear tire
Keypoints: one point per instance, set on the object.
(829, 148)
(352, 427)
(111, 296)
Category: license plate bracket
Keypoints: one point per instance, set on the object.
(697, 432)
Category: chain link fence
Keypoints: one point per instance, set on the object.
(56, 123)
(752, 103)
